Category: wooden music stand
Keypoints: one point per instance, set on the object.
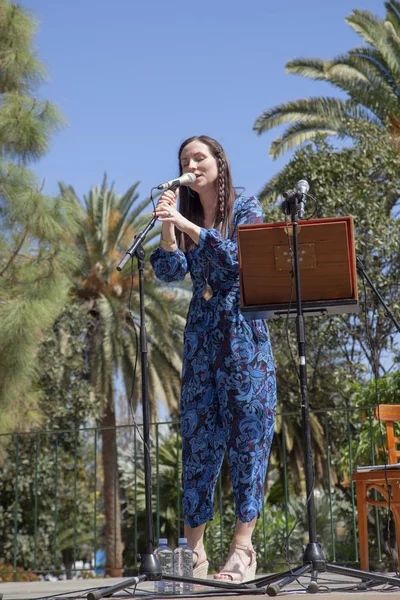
(327, 263)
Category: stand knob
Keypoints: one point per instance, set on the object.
(273, 589)
(313, 587)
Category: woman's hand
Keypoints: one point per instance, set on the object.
(169, 216)
(166, 210)
(168, 199)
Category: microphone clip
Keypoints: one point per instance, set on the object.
(289, 203)
(295, 200)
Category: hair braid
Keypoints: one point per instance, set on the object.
(221, 189)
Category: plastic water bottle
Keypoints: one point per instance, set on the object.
(166, 558)
(183, 566)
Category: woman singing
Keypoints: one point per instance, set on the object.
(228, 396)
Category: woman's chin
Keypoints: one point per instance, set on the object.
(201, 185)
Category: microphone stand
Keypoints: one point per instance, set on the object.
(313, 557)
(136, 247)
(150, 569)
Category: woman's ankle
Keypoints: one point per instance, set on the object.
(242, 541)
(199, 555)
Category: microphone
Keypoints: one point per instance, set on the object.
(302, 188)
(184, 179)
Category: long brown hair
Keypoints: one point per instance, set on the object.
(189, 201)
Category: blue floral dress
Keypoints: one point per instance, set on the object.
(228, 397)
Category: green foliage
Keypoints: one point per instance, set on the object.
(53, 511)
(25, 123)
(370, 75)
(26, 126)
(20, 69)
(36, 254)
(48, 488)
(68, 400)
(35, 258)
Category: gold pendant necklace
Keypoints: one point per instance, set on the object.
(207, 291)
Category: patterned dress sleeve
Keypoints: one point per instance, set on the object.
(223, 253)
(169, 266)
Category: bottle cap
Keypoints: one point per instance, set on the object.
(163, 541)
(182, 541)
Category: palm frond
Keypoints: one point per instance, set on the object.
(305, 110)
(311, 117)
(369, 75)
(313, 68)
(392, 20)
(297, 135)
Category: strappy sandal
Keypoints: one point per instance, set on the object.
(200, 569)
(239, 571)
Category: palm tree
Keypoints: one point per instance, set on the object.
(369, 75)
(109, 224)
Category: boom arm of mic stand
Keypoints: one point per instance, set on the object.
(361, 270)
(139, 238)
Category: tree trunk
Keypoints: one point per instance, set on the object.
(68, 561)
(113, 541)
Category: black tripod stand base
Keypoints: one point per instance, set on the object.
(313, 560)
(276, 582)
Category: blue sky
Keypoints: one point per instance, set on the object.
(135, 78)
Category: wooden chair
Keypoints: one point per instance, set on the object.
(385, 482)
